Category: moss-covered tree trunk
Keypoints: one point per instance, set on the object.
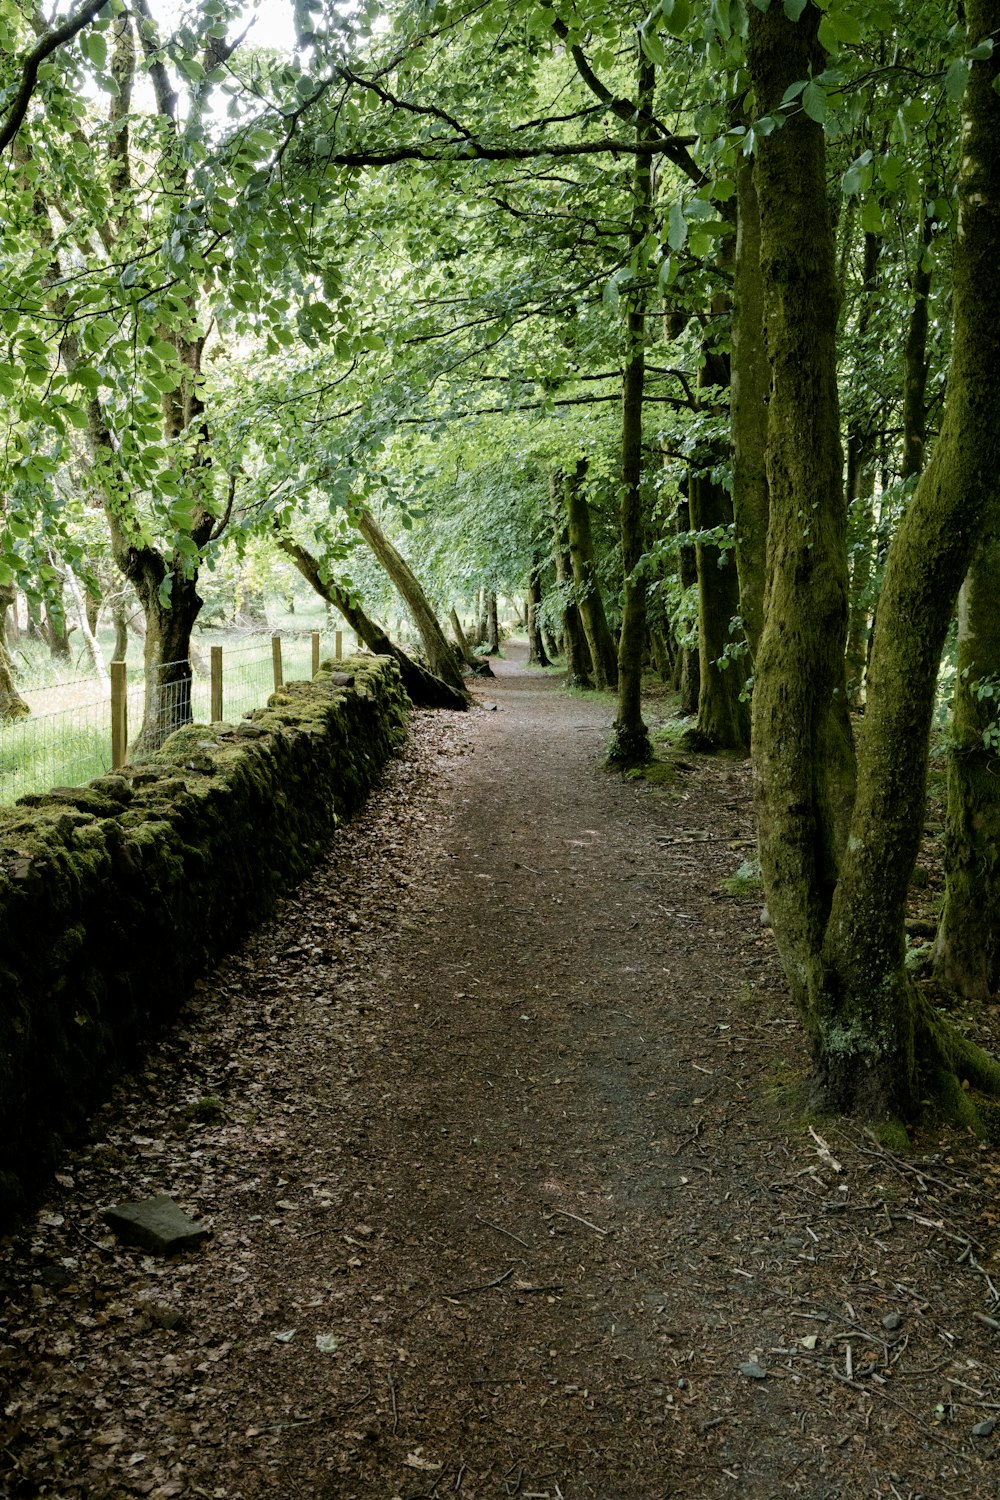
(576, 652)
(878, 1048)
(12, 705)
(801, 735)
(603, 652)
(751, 384)
(440, 657)
(630, 745)
(967, 952)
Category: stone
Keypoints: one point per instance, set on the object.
(753, 1371)
(984, 1429)
(248, 730)
(199, 763)
(55, 1277)
(892, 1321)
(157, 1224)
(342, 679)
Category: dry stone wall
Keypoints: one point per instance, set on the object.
(115, 896)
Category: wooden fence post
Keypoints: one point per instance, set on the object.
(315, 653)
(119, 714)
(279, 676)
(338, 645)
(216, 693)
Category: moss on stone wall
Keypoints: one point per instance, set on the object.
(115, 896)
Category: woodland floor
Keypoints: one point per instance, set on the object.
(497, 1129)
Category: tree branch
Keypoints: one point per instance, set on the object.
(33, 61)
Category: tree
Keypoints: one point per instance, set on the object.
(837, 865)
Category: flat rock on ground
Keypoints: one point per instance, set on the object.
(498, 1129)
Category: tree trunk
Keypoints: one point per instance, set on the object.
(537, 655)
(751, 385)
(801, 733)
(576, 652)
(492, 624)
(967, 952)
(861, 520)
(54, 629)
(689, 684)
(460, 639)
(440, 657)
(86, 616)
(723, 713)
(630, 744)
(424, 689)
(12, 705)
(878, 1048)
(603, 652)
(915, 386)
(166, 649)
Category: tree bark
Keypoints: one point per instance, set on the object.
(915, 386)
(630, 745)
(801, 734)
(12, 705)
(492, 623)
(751, 385)
(576, 652)
(601, 643)
(440, 657)
(424, 689)
(878, 1048)
(967, 951)
(537, 655)
(689, 683)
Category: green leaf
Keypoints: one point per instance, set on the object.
(983, 51)
(677, 229)
(794, 8)
(814, 102)
(653, 48)
(679, 17)
(956, 78)
(845, 27)
(871, 218)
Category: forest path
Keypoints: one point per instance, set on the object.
(488, 1126)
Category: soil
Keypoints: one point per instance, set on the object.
(499, 1130)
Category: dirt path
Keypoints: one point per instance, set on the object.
(492, 1127)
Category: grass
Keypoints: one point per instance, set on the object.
(66, 740)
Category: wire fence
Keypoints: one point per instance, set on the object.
(82, 729)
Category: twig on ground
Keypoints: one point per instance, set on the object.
(395, 1407)
(500, 1230)
(468, 1290)
(567, 1215)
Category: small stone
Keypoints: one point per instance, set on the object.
(753, 1371)
(158, 1224)
(984, 1429)
(249, 731)
(199, 763)
(892, 1321)
(55, 1277)
(342, 679)
(489, 708)
(163, 1315)
(765, 917)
